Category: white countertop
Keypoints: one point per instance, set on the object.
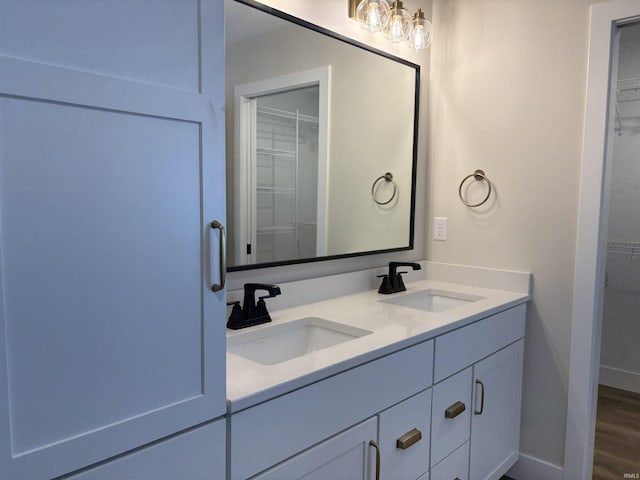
(393, 328)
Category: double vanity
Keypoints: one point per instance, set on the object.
(419, 384)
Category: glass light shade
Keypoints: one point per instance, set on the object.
(422, 32)
(400, 23)
(373, 15)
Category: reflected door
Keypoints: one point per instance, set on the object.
(286, 169)
(281, 168)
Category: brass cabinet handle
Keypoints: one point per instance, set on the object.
(479, 412)
(216, 287)
(454, 410)
(375, 445)
(410, 438)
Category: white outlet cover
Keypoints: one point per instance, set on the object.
(440, 228)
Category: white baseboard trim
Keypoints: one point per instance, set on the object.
(531, 468)
(618, 378)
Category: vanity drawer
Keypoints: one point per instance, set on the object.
(460, 348)
(404, 438)
(270, 432)
(451, 414)
(455, 466)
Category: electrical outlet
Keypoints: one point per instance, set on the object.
(440, 228)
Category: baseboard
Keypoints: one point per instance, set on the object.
(618, 378)
(531, 468)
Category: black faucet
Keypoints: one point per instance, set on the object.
(392, 282)
(251, 313)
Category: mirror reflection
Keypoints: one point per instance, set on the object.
(314, 125)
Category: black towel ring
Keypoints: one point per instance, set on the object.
(387, 177)
(479, 176)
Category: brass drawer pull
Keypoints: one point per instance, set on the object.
(454, 410)
(408, 439)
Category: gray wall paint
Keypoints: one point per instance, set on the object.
(507, 95)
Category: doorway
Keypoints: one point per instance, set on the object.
(285, 128)
(281, 165)
(591, 243)
(617, 438)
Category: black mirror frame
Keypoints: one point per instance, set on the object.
(337, 36)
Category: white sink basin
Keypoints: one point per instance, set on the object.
(433, 300)
(279, 343)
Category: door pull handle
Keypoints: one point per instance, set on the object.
(222, 264)
(479, 412)
(375, 445)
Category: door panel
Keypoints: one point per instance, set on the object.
(195, 455)
(347, 456)
(150, 41)
(495, 432)
(110, 337)
(101, 250)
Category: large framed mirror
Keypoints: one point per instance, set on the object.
(321, 142)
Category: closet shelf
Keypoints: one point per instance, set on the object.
(286, 114)
(629, 84)
(276, 153)
(274, 229)
(281, 190)
(623, 248)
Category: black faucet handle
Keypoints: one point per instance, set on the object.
(400, 281)
(233, 303)
(261, 307)
(236, 317)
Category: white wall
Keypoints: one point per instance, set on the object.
(332, 14)
(620, 362)
(507, 95)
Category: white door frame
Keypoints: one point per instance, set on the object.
(595, 183)
(244, 183)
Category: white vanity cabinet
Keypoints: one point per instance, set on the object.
(271, 432)
(491, 353)
(443, 430)
(112, 171)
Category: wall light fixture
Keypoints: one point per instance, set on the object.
(395, 21)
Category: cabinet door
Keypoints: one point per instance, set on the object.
(198, 454)
(347, 456)
(111, 171)
(495, 423)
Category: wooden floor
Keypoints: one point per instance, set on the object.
(617, 449)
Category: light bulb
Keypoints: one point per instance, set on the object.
(395, 29)
(399, 27)
(373, 15)
(418, 37)
(374, 23)
(422, 31)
